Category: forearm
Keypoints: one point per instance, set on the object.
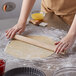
(72, 30)
(26, 8)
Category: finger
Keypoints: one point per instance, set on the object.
(58, 46)
(7, 30)
(63, 48)
(10, 33)
(20, 31)
(68, 47)
(7, 34)
(58, 50)
(57, 43)
(13, 34)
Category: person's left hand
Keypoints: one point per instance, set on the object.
(65, 43)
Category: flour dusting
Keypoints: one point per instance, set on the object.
(51, 63)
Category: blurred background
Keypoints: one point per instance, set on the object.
(13, 8)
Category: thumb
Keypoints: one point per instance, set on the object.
(57, 43)
(19, 32)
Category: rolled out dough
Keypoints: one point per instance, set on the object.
(24, 50)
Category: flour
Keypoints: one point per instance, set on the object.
(51, 63)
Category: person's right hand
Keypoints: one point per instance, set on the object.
(18, 28)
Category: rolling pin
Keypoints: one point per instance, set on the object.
(35, 42)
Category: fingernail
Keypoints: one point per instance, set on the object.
(55, 43)
(62, 50)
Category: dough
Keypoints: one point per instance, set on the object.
(24, 50)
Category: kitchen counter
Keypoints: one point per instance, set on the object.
(48, 65)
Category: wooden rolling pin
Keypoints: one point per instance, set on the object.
(35, 42)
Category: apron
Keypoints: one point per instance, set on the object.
(64, 9)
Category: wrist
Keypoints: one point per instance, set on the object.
(21, 22)
(73, 34)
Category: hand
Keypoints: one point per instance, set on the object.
(18, 28)
(65, 43)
